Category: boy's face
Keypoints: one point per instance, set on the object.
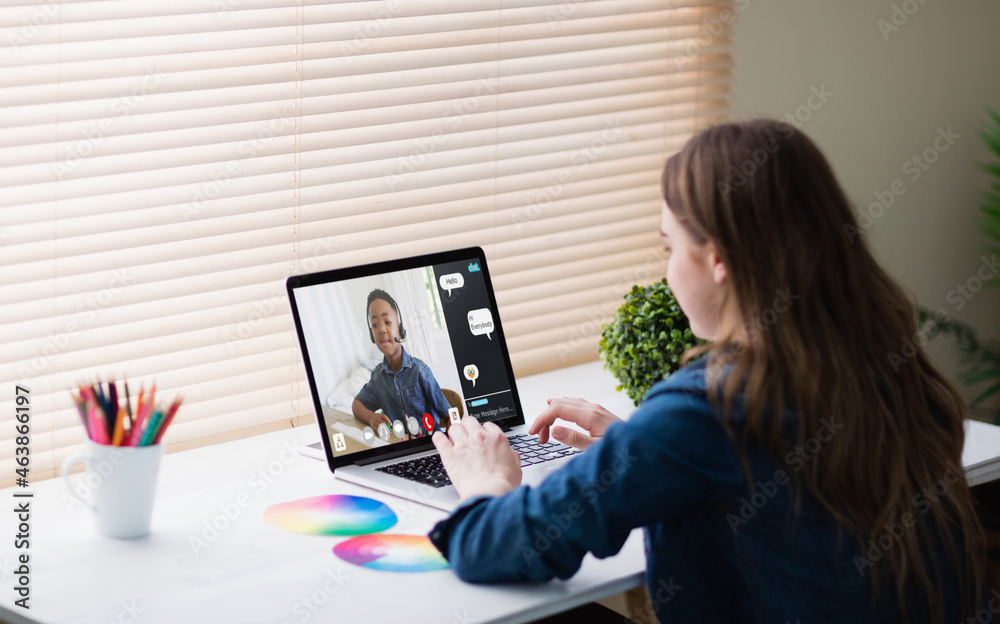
(384, 321)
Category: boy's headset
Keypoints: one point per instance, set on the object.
(378, 293)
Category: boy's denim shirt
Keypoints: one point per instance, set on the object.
(716, 550)
(411, 391)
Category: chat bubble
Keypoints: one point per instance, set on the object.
(472, 373)
(481, 322)
(450, 281)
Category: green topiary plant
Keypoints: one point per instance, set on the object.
(644, 341)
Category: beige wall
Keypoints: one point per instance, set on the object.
(891, 93)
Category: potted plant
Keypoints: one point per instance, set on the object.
(981, 358)
(645, 339)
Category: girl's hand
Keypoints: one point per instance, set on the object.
(478, 458)
(592, 417)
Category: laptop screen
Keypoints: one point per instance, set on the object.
(397, 350)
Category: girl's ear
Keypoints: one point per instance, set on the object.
(718, 269)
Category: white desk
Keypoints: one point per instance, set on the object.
(251, 571)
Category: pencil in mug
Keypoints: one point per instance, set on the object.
(112, 412)
(166, 419)
(102, 408)
(139, 422)
(81, 408)
(116, 438)
(150, 432)
(128, 406)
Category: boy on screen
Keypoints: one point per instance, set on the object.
(402, 386)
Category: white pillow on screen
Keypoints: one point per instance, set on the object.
(342, 397)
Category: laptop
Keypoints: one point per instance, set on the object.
(397, 350)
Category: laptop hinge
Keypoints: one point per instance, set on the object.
(392, 455)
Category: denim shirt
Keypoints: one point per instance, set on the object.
(716, 551)
(411, 391)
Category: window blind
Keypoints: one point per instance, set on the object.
(164, 166)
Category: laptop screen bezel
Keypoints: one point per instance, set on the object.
(471, 254)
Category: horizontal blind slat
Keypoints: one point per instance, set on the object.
(164, 167)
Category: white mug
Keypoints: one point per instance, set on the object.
(119, 485)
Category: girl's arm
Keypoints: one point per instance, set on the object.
(669, 457)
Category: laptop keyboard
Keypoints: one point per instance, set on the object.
(429, 470)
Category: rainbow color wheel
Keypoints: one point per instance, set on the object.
(392, 553)
(334, 514)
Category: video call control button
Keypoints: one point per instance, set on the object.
(383, 431)
(397, 428)
(413, 425)
(368, 434)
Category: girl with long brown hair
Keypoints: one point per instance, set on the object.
(806, 465)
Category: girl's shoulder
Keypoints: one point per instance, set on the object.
(688, 380)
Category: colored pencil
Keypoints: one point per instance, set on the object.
(112, 408)
(106, 421)
(150, 432)
(81, 408)
(128, 405)
(116, 437)
(166, 420)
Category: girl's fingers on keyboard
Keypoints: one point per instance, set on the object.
(591, 416)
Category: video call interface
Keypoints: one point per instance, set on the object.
(427, 356)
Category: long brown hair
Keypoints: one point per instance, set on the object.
(826, 333)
